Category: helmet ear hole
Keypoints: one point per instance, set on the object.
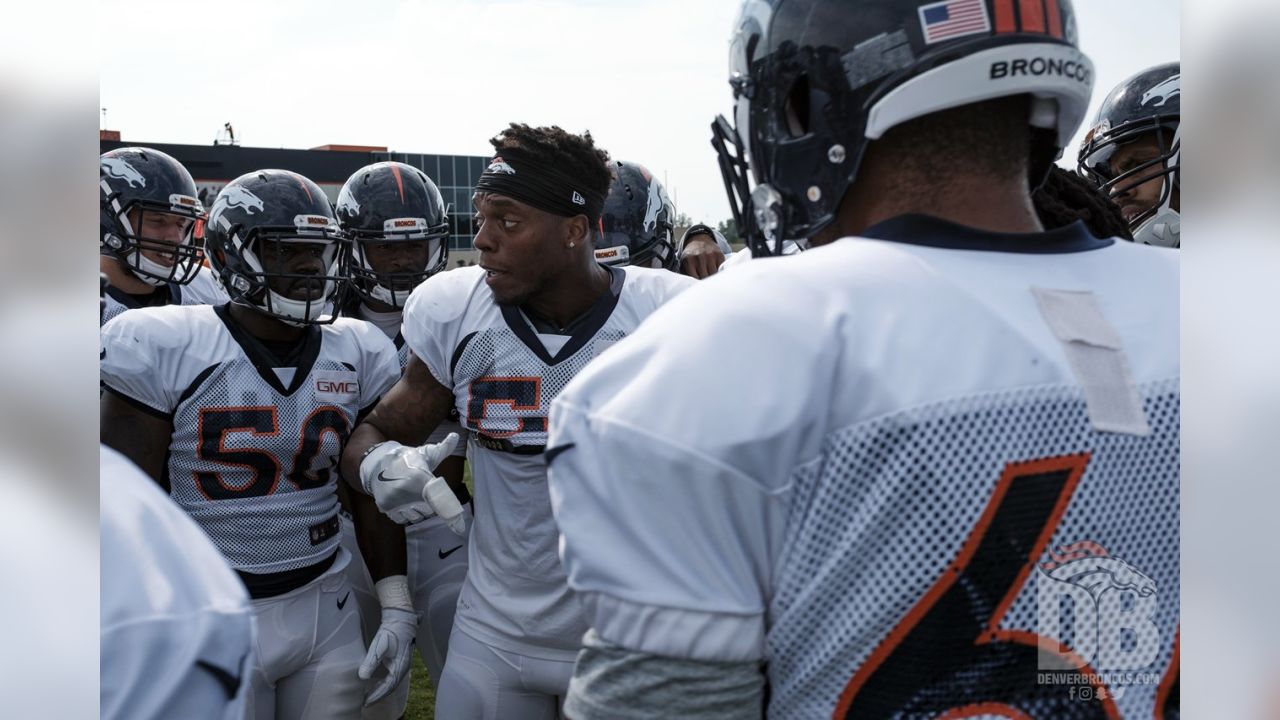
(796, 110)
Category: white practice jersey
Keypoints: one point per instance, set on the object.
(256, 444)
(744, 255)
(204, 289)
(177, 630)
(504, 375)
(927, 434)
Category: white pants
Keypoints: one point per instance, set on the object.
(309, 649)
(481, 682)
(437, 567)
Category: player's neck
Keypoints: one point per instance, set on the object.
(888, 188)
(264, 327)
(378, 306)
(120, 277)
(571, 295)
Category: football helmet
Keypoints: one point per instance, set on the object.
(391, 202)
(1147, 105)
(815, 81)
(637, 225)
(251, 220)
(151, 183)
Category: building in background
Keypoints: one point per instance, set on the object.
(213, 166)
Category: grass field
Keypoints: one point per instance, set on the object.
(422, 697)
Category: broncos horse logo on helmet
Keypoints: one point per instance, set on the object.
(637, 225)
(121, 169)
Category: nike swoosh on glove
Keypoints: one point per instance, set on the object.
(392, 649)
(397, 477)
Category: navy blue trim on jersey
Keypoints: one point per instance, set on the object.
(457, 352)
(553, 453)
(930, 231)
(364, 411)
(170, 294)
(584, 327)
(195, 385)
(264, 361)
(167, 417)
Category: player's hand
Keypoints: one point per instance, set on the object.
(397, 476)
(392, 646)
(445, 503)
(701, 256)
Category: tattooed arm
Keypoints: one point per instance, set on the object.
(140, 436)
(407, 413)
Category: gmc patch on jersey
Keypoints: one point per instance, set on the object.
(336, 386)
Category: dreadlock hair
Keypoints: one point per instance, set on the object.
(577, 155)
(1066, 197)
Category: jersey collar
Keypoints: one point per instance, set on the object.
(265, 361)
(583, 328)
(929, 231)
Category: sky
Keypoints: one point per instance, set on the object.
(646, 77)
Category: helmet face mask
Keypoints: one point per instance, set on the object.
(374, 261)
(816, 81)
(275, 246)
(152, 191)
(637, 224)
(394, 215)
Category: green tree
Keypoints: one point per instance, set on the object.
(729, 229)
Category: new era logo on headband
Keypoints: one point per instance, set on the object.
(500, 166)
(578, 199)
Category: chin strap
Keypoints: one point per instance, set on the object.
(1163, 230)
(137, 261)
(299, 313)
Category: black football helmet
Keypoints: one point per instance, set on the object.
(391, 202)
(815, 81)
(277, 207)
(1148, 104)
(637, 225)
(149, 182)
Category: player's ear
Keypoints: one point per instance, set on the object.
(577, 231)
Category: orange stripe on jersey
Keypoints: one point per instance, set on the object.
(1054, 14)
(1032, 14)
(985, 710)
(1005, 22)
(1170, 677)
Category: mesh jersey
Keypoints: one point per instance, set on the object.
(504, 376)
(255, 448)
(203, 289)
(918, 463)
(172, 611)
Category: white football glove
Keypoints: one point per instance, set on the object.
(402, 481)
(392, 646)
